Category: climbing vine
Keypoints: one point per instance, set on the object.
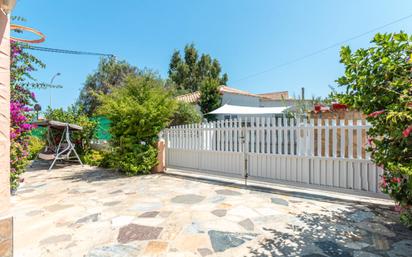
(21, 100)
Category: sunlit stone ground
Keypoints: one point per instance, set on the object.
(75, 211)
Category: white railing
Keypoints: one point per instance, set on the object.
(315, 151)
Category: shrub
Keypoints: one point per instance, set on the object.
(378, 82)
(406, 217)
(185, 114)
(94, 157)
(19, 141)
(18, 162)
(132, 160)
(35, 146)
(138, 111)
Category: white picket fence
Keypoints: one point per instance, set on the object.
(320, 152)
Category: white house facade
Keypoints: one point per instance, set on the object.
(236, 97)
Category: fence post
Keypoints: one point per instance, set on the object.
(161, 157)
(245, 147)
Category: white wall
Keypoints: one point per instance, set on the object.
(241, 100)
(283, 103)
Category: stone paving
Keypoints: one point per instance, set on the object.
(91, 212)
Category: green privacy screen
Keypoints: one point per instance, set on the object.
(102, 130)
(103, 126)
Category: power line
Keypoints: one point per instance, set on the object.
(324, 49)
(63, 51)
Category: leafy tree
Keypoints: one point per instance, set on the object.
(185, 114)
(138, 111)
(210, 97)
(188, 72)
(110, 74)
(378, 83)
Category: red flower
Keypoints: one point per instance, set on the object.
(383, 181)
(376, 114)
(338, 106)
(407, 131)
(369, 140)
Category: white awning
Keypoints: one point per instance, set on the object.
(246, 110)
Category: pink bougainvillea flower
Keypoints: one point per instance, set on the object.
(407, 131)
(376, 114)
(383, 181)
(369, 140)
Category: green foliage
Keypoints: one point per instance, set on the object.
(35, 146)
(110, 74)
(210, 97)
(378, 83)
(94, 157)
(138, 111)
(18, 161)
(75, 115)
(22, 64)
(185, 114)
(188, 72)
(406, 217)
(132, 159)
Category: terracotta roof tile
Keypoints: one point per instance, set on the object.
(276, 95)
(194, 97)
(189, 98)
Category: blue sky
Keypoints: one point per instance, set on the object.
(247, 36)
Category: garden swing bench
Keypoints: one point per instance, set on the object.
(64, 148)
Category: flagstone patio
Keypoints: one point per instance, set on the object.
(75, 211)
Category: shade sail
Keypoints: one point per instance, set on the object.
(246, 110)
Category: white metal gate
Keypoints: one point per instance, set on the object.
(321, 152)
